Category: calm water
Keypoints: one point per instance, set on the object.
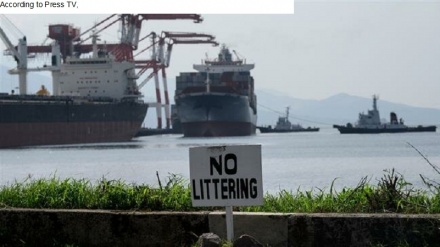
(290, 161)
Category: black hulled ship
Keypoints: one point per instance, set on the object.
(370, 124)
(51, 120)
(95, 99)
(218, 99)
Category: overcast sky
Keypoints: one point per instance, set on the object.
(390, 48)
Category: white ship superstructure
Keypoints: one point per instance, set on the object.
(371, 119)
(97, 76)
(223, 63)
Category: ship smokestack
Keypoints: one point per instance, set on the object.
(393, 118)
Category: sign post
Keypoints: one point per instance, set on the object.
(226, 176)
(229, 223)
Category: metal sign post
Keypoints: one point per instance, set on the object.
(229, 223)
(226, 176)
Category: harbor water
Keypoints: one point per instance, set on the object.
(290, 161)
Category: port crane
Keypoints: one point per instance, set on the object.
(72, 41)
(20, 56)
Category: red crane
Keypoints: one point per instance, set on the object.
(69, 37)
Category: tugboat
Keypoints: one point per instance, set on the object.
(284, 125)
(370, 124)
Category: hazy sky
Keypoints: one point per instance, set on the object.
(390, 48)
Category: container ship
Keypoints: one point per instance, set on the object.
(94, 99)
(370, 124)
(218, 99)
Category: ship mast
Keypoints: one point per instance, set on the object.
(94, 44)
(375, 102)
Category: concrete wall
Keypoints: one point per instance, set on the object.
(123, 228)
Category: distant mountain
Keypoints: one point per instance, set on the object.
(337, 109)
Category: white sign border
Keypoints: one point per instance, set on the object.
(200, 169)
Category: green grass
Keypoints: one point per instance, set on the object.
(391, 194)
(103, 194)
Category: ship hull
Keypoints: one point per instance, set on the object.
(215, 114)
(354, 130)
(271, 130)
(31, 121)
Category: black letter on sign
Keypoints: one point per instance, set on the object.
(254, 189)
(216, 165)
(196, 197)
(233, 170)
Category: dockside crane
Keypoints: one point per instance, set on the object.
(20, 56)
(161, 59)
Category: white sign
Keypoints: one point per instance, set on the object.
(226, 175)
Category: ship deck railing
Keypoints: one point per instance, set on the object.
(56, 99)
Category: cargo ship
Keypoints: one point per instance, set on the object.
(94, 99)
(218, 99)
(370, 124)
(284, 125)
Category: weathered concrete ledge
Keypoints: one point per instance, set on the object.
(125, 228)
